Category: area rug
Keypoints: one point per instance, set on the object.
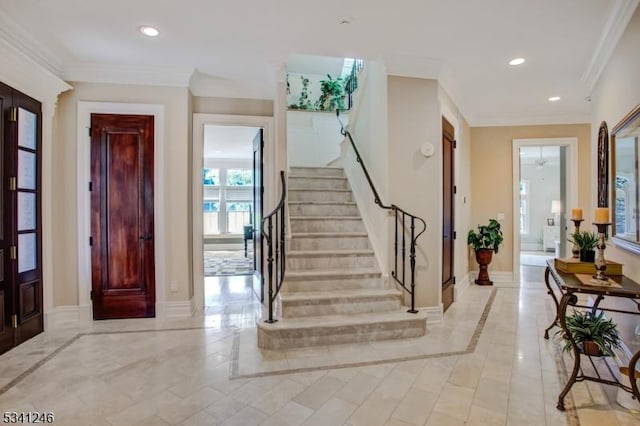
(219, 263)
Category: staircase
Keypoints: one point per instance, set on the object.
(333, 290)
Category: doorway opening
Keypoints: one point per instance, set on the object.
(229, 214)
(545, 187)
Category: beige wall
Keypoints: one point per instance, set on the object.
(492, 177)
(616, 93)
(232, 106)
(176, 198)
(415, 182)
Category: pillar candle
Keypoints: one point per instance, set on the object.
(601, 215)
(576, 214)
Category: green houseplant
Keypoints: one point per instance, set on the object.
(587, 242)
(304, 102)
(485, 241)
(593, 333)
(331, 94)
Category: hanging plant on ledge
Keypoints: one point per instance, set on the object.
(332, 94)
(304, 102)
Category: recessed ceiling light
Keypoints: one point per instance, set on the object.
(554, 98)
(149, 31)
(517, 61)
(345, 21)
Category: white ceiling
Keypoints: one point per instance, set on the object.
(239, 48)
(228, 141)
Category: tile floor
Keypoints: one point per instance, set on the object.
(486, 363)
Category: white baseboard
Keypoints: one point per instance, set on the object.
(177, 309)
(434, 314)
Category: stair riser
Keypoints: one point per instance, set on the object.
(327, 225)
(322, 335)
(303, 195)
(333, 243)
(313, 171)
(331, 262)
(346, 283)
(314, 183)
(339, 307)
(323, 210)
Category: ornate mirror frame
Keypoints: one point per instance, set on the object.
(625, 192)
(603, 165)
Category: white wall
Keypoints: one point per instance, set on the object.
(313, 138)
(544, 186)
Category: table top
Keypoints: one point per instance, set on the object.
(568, 282)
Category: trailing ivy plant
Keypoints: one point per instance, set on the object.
(304, 102)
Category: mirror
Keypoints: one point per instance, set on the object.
(624, 138)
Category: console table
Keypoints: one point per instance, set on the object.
(568, 286)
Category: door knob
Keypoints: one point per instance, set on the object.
(145, 237)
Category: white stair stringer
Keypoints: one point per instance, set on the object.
(333, 290)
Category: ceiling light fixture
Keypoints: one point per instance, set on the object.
(345, 21)
(149, 31)
(554, 98)
(517, 61)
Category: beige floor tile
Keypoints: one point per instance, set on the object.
(319, 392)
(455, 401)
(278, 396)
(201, 418)
(292, 414)
(415, 407)
(358, 389)
(334, 412)
(440, 419)
(395, 422)
(480, 416)
(375, 410)
(492, 395)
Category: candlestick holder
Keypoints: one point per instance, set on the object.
(600, 263)
(575, 250)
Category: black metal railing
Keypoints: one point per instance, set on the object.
(405, 229)
(276, 253)
(351, 83)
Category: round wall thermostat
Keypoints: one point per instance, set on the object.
(427, 149)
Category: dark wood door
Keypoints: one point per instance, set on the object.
(258, 191)
(122, 246)
(448, 235)
(21, 309)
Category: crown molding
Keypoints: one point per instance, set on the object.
(619, 16)
(22, 41)
(207, 86)
(124, 74)
(412, 66)
(529, 120)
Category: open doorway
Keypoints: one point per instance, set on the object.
(545, 188)
(228, 213)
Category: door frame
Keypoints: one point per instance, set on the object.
(85, 314)
(269, 174)
(572, 188)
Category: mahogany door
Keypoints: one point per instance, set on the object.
(21, 311)
(258, 191)
(122, 243)
(448, 234)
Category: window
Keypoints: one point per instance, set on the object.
(238, 215)
(210, 176)
(524, 207)
(228, 196)
(239, 177)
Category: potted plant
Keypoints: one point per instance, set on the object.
(587, 242)
(593, 333)
(331, 94)
(485, 241)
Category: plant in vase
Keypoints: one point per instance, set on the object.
(593, 333)
(331, 94)
(587, 242)
(485, 241)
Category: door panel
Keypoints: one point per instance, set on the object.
(122, 251)
(258, 190)
(20, 212)
(447, 214)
